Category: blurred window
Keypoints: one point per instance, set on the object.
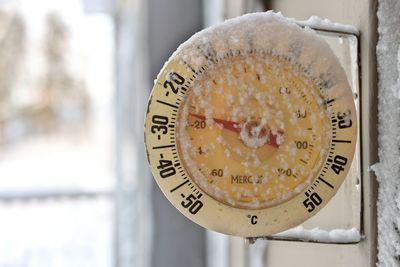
(57, 173)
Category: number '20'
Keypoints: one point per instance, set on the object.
(173, 80)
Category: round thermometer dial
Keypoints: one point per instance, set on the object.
(251, 126)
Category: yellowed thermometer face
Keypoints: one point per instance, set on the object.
(251, 126)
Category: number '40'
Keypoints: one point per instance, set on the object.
(338, 164)
(166, 168)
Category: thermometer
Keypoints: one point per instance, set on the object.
(251, 126)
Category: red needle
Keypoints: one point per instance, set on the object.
(229, 125)
(236, 127)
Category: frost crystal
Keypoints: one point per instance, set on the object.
(319, 235)
(388, 168)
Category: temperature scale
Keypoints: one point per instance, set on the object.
(251, 126)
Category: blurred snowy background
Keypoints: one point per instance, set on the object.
(57, 128)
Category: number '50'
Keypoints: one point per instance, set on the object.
(192, 204)
(312, 201)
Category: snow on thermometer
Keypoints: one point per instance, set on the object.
(251, 126)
